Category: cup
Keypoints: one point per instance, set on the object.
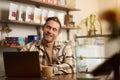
(47, 72)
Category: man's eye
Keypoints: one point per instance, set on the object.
(54, 29)
(48, 27)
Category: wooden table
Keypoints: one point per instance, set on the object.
(56, 77)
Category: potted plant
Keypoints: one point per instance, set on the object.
(90, 23)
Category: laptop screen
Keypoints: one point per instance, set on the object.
(21, 64)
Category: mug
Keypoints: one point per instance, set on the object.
(47, 72)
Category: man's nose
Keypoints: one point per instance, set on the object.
(50, 30)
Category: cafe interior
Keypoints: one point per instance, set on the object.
(90, 27)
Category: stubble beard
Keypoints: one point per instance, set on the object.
(49, 40)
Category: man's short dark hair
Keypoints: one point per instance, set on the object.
(54, 19)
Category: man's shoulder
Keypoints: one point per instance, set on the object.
(61, 45)
(35, 43)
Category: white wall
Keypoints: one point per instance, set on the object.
(106, 4)
(86, 7)
(92, 6)
(118, 3)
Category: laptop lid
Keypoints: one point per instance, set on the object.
(21, 64)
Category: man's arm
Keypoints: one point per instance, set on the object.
(68, 62)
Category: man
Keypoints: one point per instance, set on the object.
(50, 52)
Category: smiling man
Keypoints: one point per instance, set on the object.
(50, 53)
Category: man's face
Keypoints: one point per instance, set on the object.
(51, 31)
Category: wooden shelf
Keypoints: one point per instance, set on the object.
(19, 22)
(28, 23)
(19, 47)
(107, 35)
(68, 27)
(47, 5)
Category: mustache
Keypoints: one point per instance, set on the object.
(48, 33)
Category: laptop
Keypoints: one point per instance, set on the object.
(21, 64)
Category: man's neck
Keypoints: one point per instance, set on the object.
(47, 45)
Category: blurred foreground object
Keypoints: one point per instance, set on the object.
(113, 18)
(113, 63)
